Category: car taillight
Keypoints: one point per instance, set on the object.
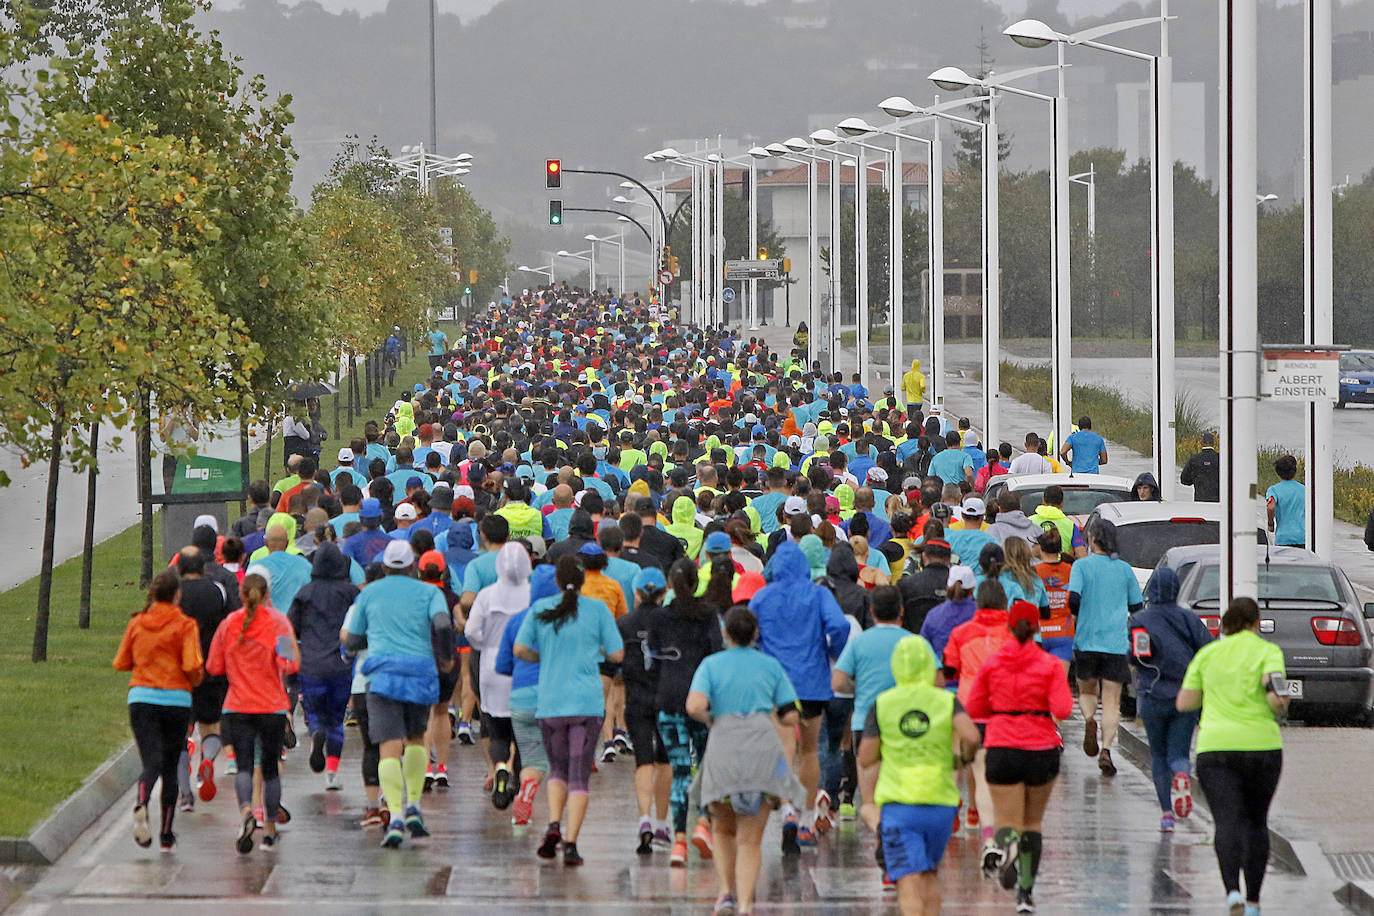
(1212, 623)
(1335, 631)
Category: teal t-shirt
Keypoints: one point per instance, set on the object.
(1037, 596)
(624, 572)
(1087, 447)
(740, 681)
(1106, 588)
(1290, 512)
(569, 657)
(949, 465)
(438, 343)
(395, 615)
(481, 572)
(868, 660)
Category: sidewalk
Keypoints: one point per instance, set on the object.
(1103, 854)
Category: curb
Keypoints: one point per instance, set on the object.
(55, 834)
(1280, 847)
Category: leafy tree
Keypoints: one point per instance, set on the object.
(914, 259)
(736, 237)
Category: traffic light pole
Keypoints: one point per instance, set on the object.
(641, 185)
(615, 212)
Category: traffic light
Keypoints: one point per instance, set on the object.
(763, 254)
(667, 259)
(555, 213)
(553, 173)
(673, 265)
(787, 265)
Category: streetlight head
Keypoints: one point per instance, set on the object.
(591, 238)
(669, 153)
(1032, 33)
(777, 149)
(795, 144)
(621, 199)
(463, 157)
(407, 148)
(522, 267)
(628, 185)
(825, 137)
(622, 219)
(713, 157)
(952, 79)
(856, 127)
(563, 253)
(759, 152)
(897, 107)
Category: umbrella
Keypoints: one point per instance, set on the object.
(302, 391)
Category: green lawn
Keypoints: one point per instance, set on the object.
(61, 719)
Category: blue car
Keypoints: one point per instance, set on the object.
(1357, 378)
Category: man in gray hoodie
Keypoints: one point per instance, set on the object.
(1011, 521)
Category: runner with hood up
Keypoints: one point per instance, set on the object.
(801, 625)
(914, 387)
(684, 526)
(1145, 489)
(317, 615)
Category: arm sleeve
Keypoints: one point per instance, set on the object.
(1192, 678)
(475, 629)
(1075, 585)
(836, 627)
(701, 681)
(978, 704)
(192, 664)
(1186, 477)
(846, 661)
(505, 656)
(1060, 696)
(610, 634)
(784, 694)
(871, 729)
(287, 665)
(215, 663)
(124, 657)
(1133, 595)
(951, 658)
(528, 634)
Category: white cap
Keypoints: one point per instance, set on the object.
(345, 455)
(794, 505)
(405, 512)
(973, 506)
(877, 473)
(257, 569)
(207, 520)
(960, 575)
(462, 490)
(398, 555)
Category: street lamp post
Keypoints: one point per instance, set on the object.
(798, 150)
(1031, 33)
(424, 166)
(953, 79)
(1318, 269)
(620, 245)
(589, 256)
(547, 270)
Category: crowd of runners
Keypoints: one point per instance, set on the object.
(595, 533)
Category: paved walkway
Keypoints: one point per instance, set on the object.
(1103, 855)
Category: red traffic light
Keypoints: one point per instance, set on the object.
(553, 173)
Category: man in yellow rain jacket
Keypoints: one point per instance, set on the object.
(914, 387)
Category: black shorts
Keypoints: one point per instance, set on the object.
(1106, 666)
(395, 720)
(207, 699)
(1010, 766)
(813, 709)
(448, 682)
(642, 724)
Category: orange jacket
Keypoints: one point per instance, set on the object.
(973, 643)
(602, 587)
(251, 661)
(161, 646)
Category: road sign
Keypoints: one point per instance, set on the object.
(744, 269)
(1298, 374)
(665, 277)
(445, 232)
(727, 295)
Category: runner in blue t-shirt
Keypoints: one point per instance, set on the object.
(1286, 503)
(1089, 449)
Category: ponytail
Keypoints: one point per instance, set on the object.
(162, 589)
(254, 593)
(569, 577)
(1022, 631)
(721, 585)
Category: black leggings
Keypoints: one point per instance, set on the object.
(263, 731)
(372, 751)
(1239, 786)
(160, 733)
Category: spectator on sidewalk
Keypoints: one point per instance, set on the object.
(1203, 472)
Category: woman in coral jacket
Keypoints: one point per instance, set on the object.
(254, 647)
(161, 647)
(1022, 692)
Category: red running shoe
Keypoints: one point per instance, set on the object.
(207, 780)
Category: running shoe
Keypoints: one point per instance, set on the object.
(646, 838)
(289, 738)
(1090, 746)
(260, 817)
(662, 838)
(143, 834)
(790, 847)
(441, 776)
(244, 843)
(503, 788)
(971, 819)
(1181, 795)
(207, 780)
(283, 816)
(523, 806)
(331, 781)
(725, 906)
(806, 837)
(848, 811)
(464, 733)
(889, 886)
(1235, 904)
(168, 841)
(395, 835)
(186, 803)
(1166, 824)
(678, 857)
(701, 839)
(372, 817)
(823, 819)
(429, 778)
(608, 752)
(415, 823)
(452, 723)
(350, 720)
(269, 842)
(992, 857)
(622, 741)
(1009, 873)
(571, 857)
(231, 766)
(1104, 763)
(1252, 909)
(552, 838)
(1024, 903)
(317, 752)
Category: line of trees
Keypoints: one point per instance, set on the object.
(151, 250)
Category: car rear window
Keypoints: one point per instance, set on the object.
(1077, 500)
(1293, 582)
(1142, 544)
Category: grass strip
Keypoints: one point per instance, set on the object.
(76, 693)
